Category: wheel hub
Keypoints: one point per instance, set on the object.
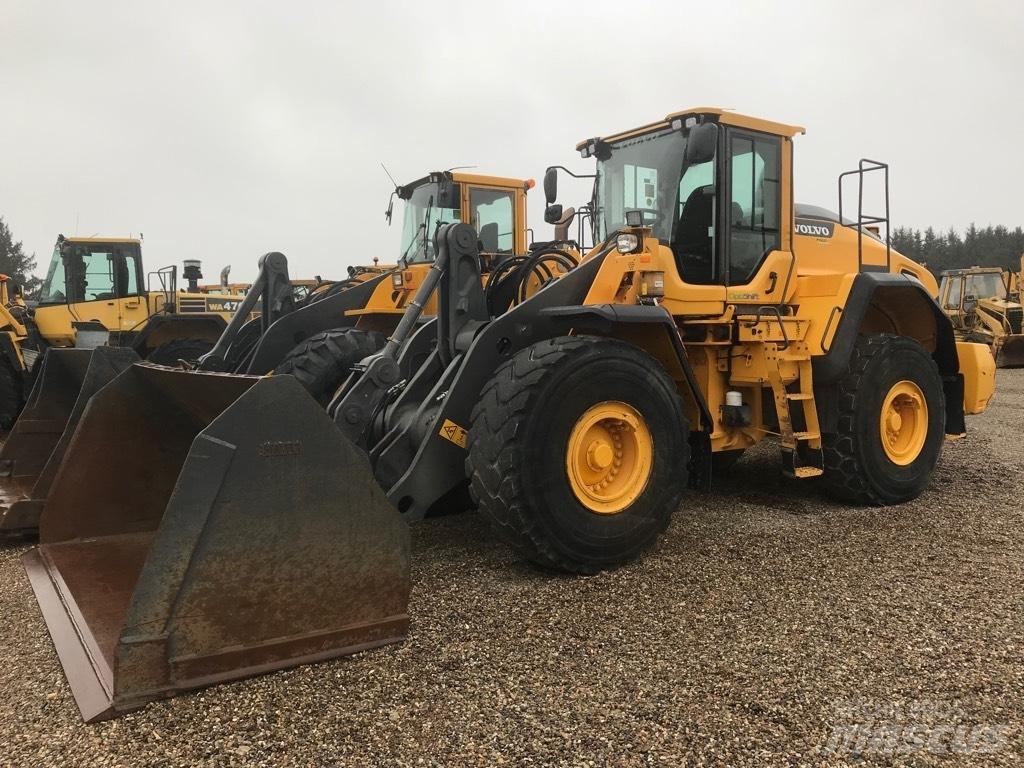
(609, 457)
(903, 423)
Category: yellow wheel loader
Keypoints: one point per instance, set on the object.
(314, 330)
(235, 526)
(984, 306)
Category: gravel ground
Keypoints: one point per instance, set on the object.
(770, 627)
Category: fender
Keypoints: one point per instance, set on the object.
(868, 289)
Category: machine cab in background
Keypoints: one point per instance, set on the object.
(91, 279)
(494, 206)
(715, 189)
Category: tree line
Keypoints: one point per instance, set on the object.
(993, 246)
(15, 263)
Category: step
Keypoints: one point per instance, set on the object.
(799, 396)
(806, 435)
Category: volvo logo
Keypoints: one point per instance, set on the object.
(814, 227)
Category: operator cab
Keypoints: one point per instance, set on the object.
(493, 206)
(87, 269)
(710, 186)
(707, 182)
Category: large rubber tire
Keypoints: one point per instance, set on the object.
(322, 362)
(12, 394)
(176, 350)
(518, 441)
(857, 468)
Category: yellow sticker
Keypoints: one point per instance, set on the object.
(452, 431)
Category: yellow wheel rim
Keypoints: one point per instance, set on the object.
(903, 423)
(609, 456)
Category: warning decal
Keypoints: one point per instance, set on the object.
(452, 431)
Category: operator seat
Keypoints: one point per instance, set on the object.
(693, 245)
(489, 238)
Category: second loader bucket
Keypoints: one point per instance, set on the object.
(206, 527)
(1011, 353)
(67, 380)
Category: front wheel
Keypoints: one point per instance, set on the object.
(891, 425)
(578, 452)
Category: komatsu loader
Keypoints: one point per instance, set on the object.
(984, 306)
(314, 331)
(236, 526)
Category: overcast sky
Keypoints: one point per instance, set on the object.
(223, 131)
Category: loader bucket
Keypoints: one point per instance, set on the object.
(206, 527)
(1011, 353)
(40, 437)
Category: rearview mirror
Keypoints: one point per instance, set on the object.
(701, 143)
(448, 193)
(550, 186)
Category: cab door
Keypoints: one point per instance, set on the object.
(758, 254)
(102, 285)
(492, 212)
(132, 298)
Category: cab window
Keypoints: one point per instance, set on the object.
(952, 292)
(91, 273)
(493, 212)
(754, 211)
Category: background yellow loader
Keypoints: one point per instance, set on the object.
(234, 525)
(984, 306)
(314, 330)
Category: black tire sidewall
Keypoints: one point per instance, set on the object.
(604, 370)
(179, 349)
(900, 360)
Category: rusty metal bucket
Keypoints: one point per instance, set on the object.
(68, 378)
(206, 527)
(1011, 352)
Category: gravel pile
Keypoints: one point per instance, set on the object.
(771, 627)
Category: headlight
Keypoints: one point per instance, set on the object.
(627, 243)
(396, 280)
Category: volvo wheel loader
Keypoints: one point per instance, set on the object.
(312, 330)
(984, 306)
(236, 526)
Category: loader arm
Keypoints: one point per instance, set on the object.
(273, 290)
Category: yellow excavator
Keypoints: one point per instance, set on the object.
(208, 526)
(984, 305)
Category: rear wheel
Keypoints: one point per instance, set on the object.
(177, 350)
(322, 362)
(578, 452)
(892, 421)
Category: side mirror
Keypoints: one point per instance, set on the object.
(550, 186)
(701, 143)
(552, 214)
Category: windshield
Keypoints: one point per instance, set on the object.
(643, 174)
(52, 291)
(985, 286)
(421, 220)
(91, 272)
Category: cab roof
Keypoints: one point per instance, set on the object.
(92, 240)
(406, 190)
(715, 114)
